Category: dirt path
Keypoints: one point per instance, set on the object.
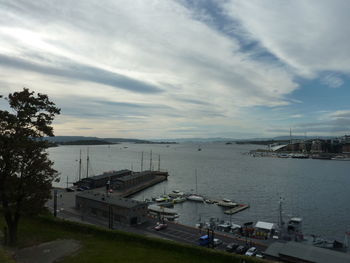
(47, 252)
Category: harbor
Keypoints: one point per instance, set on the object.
(239, 177)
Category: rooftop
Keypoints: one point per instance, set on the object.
(306, 252)
(110, 199)
(109, 174)
(265, 225)
(133, 176)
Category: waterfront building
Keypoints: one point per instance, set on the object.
(298, 252)
(111, 209)
(136, 179)
(132, 179)
(102, 179)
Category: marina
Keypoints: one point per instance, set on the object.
(225, 171)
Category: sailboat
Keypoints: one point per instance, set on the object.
(196, 197)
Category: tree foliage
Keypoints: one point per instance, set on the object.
(26, 173)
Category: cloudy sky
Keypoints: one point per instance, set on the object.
(182, 68)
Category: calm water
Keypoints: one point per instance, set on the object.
(316, 190)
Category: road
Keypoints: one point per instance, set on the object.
(174, 231)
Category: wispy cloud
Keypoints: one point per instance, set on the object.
(141, 65)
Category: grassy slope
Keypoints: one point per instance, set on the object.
(5, 257)
(101, 245)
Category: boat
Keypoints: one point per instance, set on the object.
(195, 197)
(227, 203)
(162, 199)
(179, 199)
(167, 213)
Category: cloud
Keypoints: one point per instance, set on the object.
(151, 67)
(332, 80)
(80, 72)
(308, 36)
(296, 116)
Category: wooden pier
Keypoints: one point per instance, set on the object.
(237, 209)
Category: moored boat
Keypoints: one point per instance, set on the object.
(195, 197)
(227, 203)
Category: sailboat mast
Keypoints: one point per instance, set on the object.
(159, 163)
(80, 165)
(87, 163)
(281, 218)
(196, 181)
(150, 162)
(141, 161)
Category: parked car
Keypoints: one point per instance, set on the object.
(241, 250)
(259, 254)
(251, 252)
(217, 242)
(232, 247)
(160, 227)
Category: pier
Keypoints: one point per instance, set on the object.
(237, 209)
(122, 183)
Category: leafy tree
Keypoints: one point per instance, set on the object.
(26, 173)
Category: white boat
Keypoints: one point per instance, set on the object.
(162, 199)
(227, 203)
(164, 212)
(179, 199)
(196, 198)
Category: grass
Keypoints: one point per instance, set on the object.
(101, 245)
(5, 256)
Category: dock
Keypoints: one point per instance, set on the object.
(123, 183)
(237, 209)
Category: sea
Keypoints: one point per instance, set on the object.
(318, 191)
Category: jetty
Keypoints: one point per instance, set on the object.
(236, 209)
(123, 183)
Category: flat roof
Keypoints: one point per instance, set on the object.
(265, 225)
(306, 252)
(277, 147)
(108, 174)
(132, 176)
(110, 199)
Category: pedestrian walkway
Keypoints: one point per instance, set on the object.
(48, 252)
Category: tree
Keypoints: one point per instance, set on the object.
(26, 173)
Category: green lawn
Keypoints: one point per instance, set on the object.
(100, 245)
(5, 257)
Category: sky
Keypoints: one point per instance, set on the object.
(182, 68)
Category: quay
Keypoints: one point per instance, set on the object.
(237, 209)
(123, 183)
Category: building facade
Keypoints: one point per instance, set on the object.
(111, 209)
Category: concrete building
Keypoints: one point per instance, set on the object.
(296, 252)
(102, 179)
(136, 178)
(264, 229)
(111, 209)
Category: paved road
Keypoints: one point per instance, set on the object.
(174, 231)
(48, 252)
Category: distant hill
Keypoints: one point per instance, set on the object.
(86, 142)
(119, 140)
(72, 139)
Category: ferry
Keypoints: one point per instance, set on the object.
(167, 213)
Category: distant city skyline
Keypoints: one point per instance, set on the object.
(182, 68)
